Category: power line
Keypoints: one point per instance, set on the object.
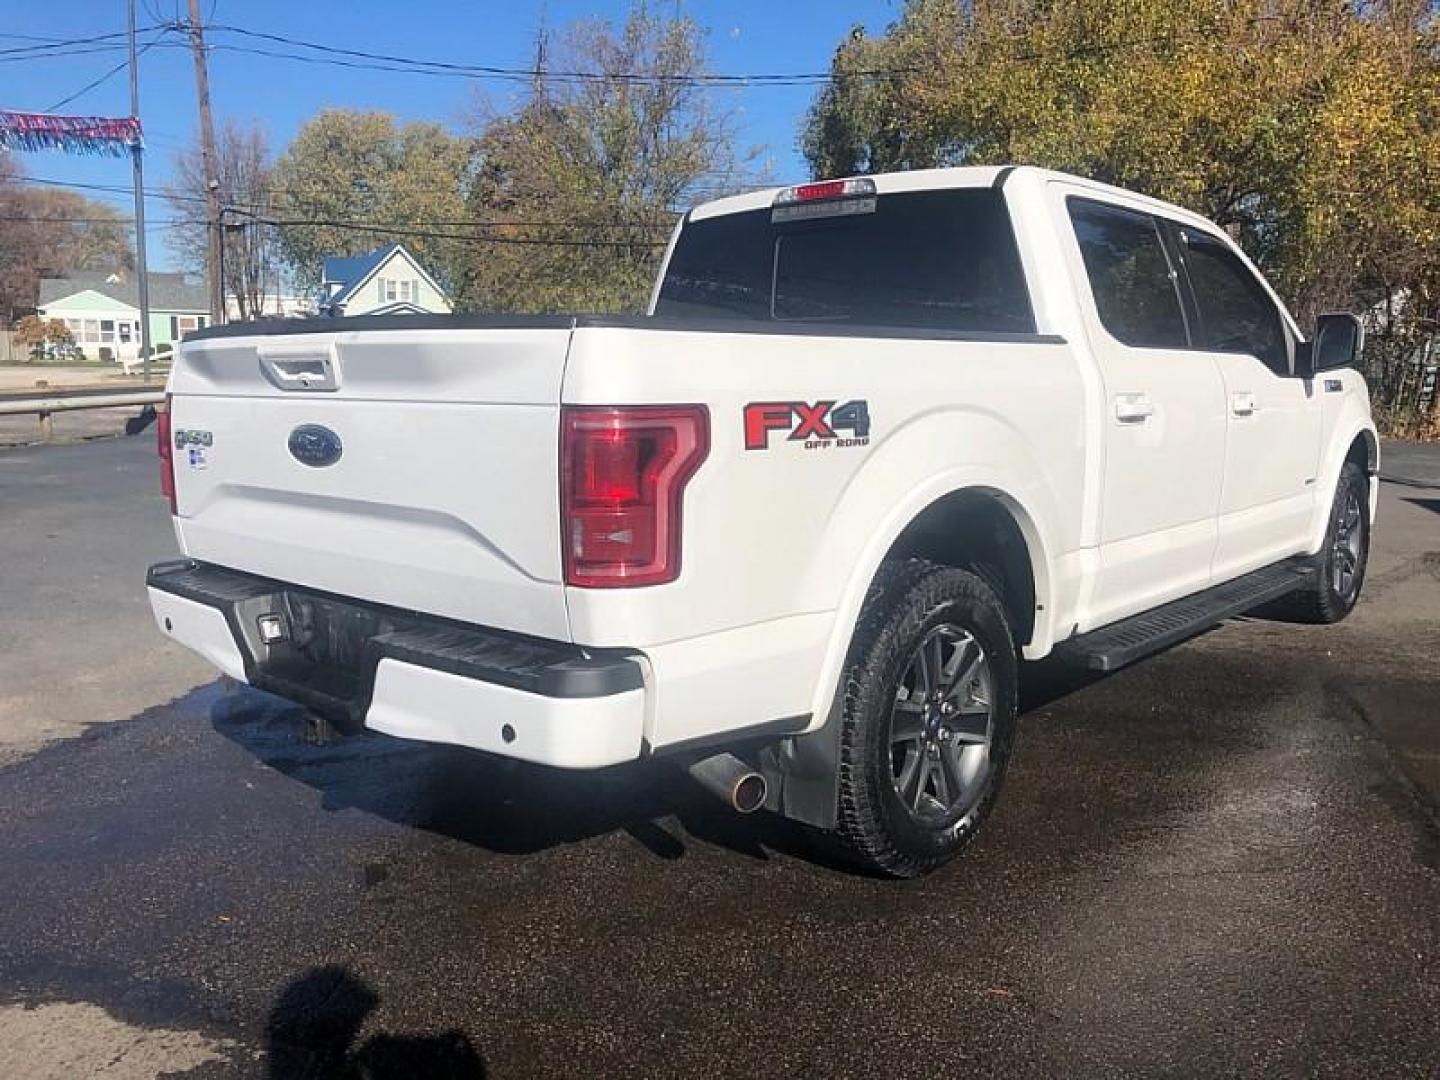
(86, 51)
(353, 226)
(30, 37)
(428, 234)
(363, 59)
(60, 43)
(119, 189)
(153, 193)
(41, 219)
(348, 223)
(430, 228)
(360, 58)
(757, 180)
(93, 84)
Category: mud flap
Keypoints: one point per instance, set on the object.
(802, 773)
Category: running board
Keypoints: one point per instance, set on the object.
(1112, 647)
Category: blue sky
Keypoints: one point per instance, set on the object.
(743, 36)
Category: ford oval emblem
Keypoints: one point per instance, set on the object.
(315, 445)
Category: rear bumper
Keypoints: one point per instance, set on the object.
(408, 674)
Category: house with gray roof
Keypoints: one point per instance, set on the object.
(386, 281)
(102, 311)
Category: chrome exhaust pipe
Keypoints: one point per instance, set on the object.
(732, 781)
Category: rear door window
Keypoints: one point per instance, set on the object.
(1130, 275)
(1236, 313)
(939, 260)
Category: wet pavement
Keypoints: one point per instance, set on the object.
(1223, 861)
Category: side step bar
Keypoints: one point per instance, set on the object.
(1112, 647)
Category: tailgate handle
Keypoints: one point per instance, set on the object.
(297, 371)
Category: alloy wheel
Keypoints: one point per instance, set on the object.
(1348, 548)
(942, 726)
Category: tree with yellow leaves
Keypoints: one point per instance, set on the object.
(1309, 129)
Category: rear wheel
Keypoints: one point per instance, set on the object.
(1340, 563)
(928, 717)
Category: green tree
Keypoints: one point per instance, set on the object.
(398, 182)
(1310, 129)
(579, 187)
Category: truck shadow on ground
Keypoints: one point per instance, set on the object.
(313, 1033)
(510, 807)
(504, 806)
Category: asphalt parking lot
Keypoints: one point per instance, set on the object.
(1223, 861)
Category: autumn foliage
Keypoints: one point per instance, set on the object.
(1310, 129)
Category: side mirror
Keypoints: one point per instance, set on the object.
(1338, 341)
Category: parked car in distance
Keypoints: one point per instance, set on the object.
(876, 442)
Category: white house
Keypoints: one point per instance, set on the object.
(386, 281)
(273, 306)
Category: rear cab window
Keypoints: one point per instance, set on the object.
(942, 260)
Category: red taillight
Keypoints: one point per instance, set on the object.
(857, 187)
(825, 189)
(167, 454)
(623, 472)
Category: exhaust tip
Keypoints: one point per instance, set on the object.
(748, 795)
(732, 781)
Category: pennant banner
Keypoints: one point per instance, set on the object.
(73, 134)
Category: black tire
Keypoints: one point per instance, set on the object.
(1331, 595)
(913, 602)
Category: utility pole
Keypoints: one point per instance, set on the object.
(207, 160)
(137, 156)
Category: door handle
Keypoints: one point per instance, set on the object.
(1133, 408)
(1242, 404)
(295, 369)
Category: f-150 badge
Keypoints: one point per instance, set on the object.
(194, 445)
(817, 426)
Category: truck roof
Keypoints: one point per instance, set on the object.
(953, 177)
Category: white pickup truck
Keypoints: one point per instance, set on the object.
(875, 441)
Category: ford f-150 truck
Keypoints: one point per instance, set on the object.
(875, 442)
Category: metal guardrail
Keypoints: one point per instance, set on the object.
(48, 403)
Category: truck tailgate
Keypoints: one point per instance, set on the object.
(432, 475)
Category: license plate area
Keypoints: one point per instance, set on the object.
(322, 650)
(323, 656)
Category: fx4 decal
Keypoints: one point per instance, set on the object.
(817, 425)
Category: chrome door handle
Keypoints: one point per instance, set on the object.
(291, 368)
(1242, 404)
(1133, 408)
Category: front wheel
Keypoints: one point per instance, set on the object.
(1341, 561)
(928, 717)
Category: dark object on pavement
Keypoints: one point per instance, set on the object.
(317, 1018)
(137, 424)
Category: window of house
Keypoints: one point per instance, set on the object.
(389, 289)
(186, 323)
(407, 290)
(1134, 286)
(124, 333)
(107, 331)
(1236, 313)
(92, 331)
